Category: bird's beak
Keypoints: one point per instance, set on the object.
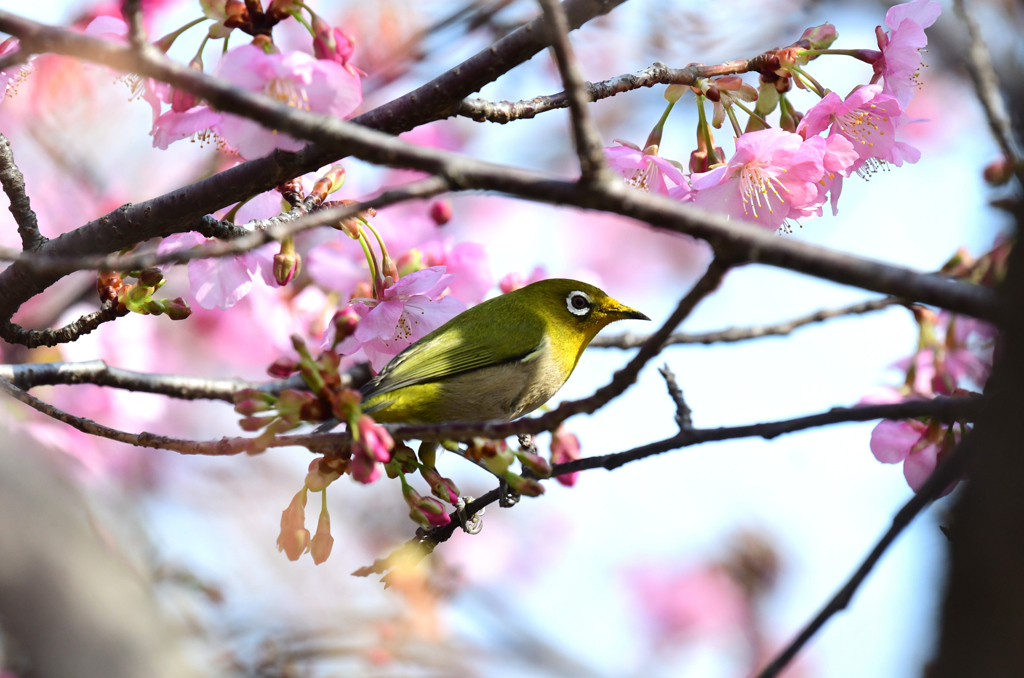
(620, 311)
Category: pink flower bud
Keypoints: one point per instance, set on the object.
(294, 537)
(527, 487)
(362, 467)
(176, 309)
(286, 267)
(565, 447)
(442, 488)
(441, 212)
(536, 463)
(998, 172)
(820, 37)
(282, 368)
(376, 438)
(323, 542)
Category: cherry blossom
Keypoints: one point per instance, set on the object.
(900, 62)
(222, 281)
(10, 78)
(322, 542)
(838, 157)
(917, 445)
(408, 310)
(772, 177)
(374, 445)
(867, 117)
(293, 78)
(467, 261)
(294, 537)
(514, 280)
(565, 447)
(643, 169)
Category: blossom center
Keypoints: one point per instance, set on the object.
(288, 92)
(862, 126)
(757, 185)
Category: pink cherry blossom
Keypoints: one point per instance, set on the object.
(408, 310)
(467, 261)
(917, 445)
(900, 63)
(293, 78)
(10, 78)
(868, 118)
(514, 280)
(338, 265)
(678, 605)
(322, 542)
(173, 126)
(221, 282)
(772, 177)
(838, 157)
(645, 171)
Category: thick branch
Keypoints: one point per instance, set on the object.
(14, 186)
(502, 112)
(734, 334)
(97, 372)
(589, 148)
(948, 472)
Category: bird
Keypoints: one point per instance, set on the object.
(498, 360)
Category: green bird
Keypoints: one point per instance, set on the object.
(501, 359)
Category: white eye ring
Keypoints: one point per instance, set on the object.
(577, 311)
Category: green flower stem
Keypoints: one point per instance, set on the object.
(371, 258)
(735, 123)
(865, 55)
(704, 128)
(809, 80)
(654, 138)
(751, 113)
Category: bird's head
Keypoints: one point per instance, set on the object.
(576, 307)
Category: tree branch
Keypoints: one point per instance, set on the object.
(948, 472)
(658, 73)
(14, 186)
(97, 372)
(737, 241)
(244, 238)
(593, 166)
(629, 340)
(986, 84)
(946, 409)
(683, 412)
(16, 334)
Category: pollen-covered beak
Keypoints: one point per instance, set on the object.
(620, 311)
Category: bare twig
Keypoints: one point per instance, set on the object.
(16, 334)
(951, 469)
(947, 409)
(132, 11)
(593, 165)
(14, 186)
(986, 84)
(734, 334)
(683, 412)
(98, 372)
(658, 73)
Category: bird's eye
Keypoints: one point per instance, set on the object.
(578, 303)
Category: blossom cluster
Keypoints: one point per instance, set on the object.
(953, 358)
(781, 174)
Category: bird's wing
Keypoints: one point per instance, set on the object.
(443, 354)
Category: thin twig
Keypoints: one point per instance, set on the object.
(14, 186)
(16, 334)
(948, 472)
(246, 238)
(132, 11)
(97, 372)
(593, 165)
(986, 84)
(684, 415)
(734, 334)
(658, 73)
(946, 409)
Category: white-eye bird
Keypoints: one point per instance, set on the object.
(500, 359)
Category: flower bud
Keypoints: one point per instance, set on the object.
(291, 191)
(286, 267)
(442, 488)
(235, 10)
(499, 461)
(527, 487)
(999, 172)
(253, 424)
(536, 463)
(820, 37)
(565, 447)
(346, 403)
(294, 537)
(376, 438)
(151, 277)
(250, 407)
(323, 542)
(282, 368)
(441, 212)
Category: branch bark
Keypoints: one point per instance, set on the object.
(14, 186)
